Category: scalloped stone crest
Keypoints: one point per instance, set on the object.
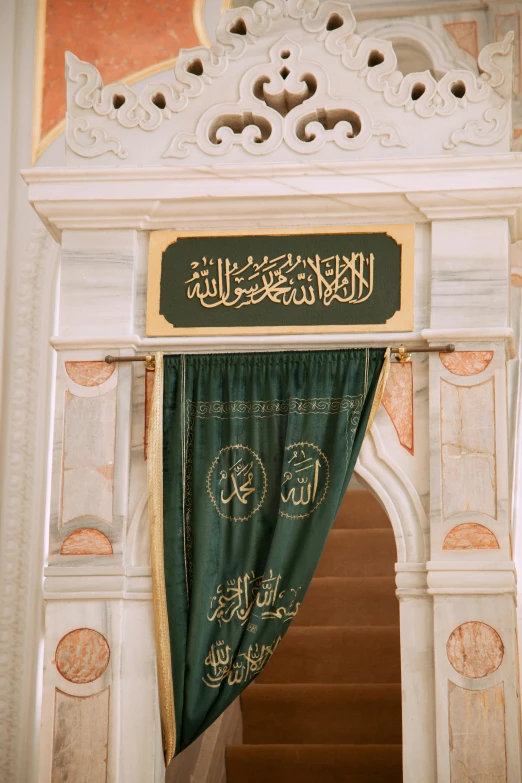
(287, 79)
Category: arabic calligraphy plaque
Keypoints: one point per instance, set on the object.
(319, 280)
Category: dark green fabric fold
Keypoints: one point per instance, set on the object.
(258, 450)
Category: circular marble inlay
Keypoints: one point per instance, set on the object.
(475, 650)
(82, 655)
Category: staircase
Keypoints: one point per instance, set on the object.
(327, 708)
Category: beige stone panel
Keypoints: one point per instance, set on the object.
(477, 735)
(468, 449)
(90, 430)
(86, 492)
(80, 743)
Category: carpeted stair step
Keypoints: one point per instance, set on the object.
(314, 764)
(327, 708)
(370, 552)
(336, 655)
(349, 601)
(322, 714)
(360, 509)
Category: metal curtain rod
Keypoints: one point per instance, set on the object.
(403, 355)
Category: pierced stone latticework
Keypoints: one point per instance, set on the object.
(287, 78)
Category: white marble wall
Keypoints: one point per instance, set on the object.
(97, 280)
(470, 273)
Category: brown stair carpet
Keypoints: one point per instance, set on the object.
(315, 763)
(327, 708)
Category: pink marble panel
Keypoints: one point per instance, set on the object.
(82, 655)
(119, 38)
(398, 401)
(465, 35)
(470, 536)
(477, 728)
(475, 650)
(466, 362)
(80, 738)
(86, 541)
(89, 373)
(469, 481)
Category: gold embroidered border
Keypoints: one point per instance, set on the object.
(383, 379)
(161, 620)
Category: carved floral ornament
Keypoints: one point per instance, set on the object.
(287, 78)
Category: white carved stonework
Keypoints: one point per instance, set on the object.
(287, 78)
(292, 118)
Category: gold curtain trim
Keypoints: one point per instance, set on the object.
(159, 596)
(383, 378)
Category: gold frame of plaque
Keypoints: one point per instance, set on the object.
(402, 320)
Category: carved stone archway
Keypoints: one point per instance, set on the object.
(291, 119)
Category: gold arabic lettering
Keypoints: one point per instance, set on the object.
(283, 280)
(223, 667)
(239, 470)
(241, 597)
(305, 480)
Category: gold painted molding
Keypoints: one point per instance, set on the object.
(401, 321)
(39, 144)
(198, 17)
(39, 57)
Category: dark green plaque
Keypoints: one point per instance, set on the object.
(326, 280)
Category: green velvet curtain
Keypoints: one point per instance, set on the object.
(256, 452)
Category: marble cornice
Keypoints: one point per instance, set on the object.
(416, 190)
(97, 582)
(478, 577)
(133, 344)
(475, 335)
(230, 343)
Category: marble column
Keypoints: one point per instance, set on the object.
(417, 675)
(471, 575)
(100, 716)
